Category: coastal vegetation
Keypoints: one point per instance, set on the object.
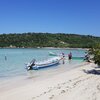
(47, 40)
(95, 51)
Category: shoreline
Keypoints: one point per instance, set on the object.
(59, 87)
(44, 48)
(37, 74)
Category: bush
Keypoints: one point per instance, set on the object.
(96, 52)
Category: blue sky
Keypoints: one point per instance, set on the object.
(53, 16)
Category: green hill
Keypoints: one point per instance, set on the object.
(47, 40)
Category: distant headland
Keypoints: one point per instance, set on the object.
(41, 40)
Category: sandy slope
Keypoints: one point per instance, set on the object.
(71, 85)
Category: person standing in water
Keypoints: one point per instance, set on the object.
(63, 58)
(70, 56)
(5, 58)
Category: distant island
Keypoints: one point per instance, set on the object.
(39, 40)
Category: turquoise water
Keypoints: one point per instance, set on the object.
(14, 64)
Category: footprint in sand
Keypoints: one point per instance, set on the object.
(63, 91)
(40, 94)
(49, 90)
(52, 96)
(70, 80)
(98, 87)
(63, 83)
(44, 92)
(58, 87)
(67, 87)
(33, 98)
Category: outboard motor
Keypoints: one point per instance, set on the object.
(31, 64)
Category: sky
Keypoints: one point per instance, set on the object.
(52, 16)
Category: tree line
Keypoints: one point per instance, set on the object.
(33, 40)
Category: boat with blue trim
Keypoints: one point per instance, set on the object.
(33, 65)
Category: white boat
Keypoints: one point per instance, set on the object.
(33, 65)
(53, 54)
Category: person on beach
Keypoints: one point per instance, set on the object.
(70, 56)
(87, 57)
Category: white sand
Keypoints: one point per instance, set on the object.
(71, 85)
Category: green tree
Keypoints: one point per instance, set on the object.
(96, 52)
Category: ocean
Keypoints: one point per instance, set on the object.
(12, 61)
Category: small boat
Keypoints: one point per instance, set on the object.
(52, 54)
(33, 65)
(78, 58)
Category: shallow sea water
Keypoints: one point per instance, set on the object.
(14, 64)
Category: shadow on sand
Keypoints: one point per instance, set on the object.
(93, 71)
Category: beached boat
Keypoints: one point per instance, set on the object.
(33, 65)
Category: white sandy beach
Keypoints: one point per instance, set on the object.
(70, 85)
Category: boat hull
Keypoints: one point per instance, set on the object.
(78, 58)
(44, 64)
